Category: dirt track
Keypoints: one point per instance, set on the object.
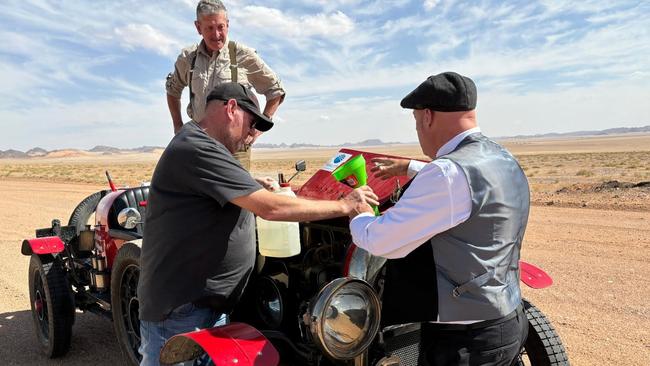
(598, 259)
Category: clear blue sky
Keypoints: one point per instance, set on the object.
(84, 73)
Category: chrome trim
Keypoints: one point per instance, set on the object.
(364, 265)
(129, 218)
(321, 309)
(389, 361)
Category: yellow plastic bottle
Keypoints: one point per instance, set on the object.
(279, 239)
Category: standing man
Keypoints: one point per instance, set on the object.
(216, 60)
(199, 239)
(453, 239)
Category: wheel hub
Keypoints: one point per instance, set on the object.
(133, 309)
(38, 305)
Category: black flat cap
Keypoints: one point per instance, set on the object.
(446, 92)
(245, 99)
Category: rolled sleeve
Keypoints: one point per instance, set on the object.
(177, 80)
(261, 77)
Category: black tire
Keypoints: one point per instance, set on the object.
(81, 214)
(52, 305)
(543, 346)
(124, 301)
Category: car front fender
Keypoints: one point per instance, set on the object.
(44, 245)
(235, 344)
(533, 276)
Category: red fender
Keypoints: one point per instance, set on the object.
(534, 276)
(233, 344)
(44, 245)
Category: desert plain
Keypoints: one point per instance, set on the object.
(589, 228)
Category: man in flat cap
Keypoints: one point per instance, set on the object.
(454, 237)
(199, 239)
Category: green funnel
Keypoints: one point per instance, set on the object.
(353, 173)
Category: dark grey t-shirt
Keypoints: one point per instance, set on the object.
(196, 243)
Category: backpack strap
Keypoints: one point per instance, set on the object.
(232, 50)
(189, 82)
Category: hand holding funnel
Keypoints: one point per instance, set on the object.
(353, 173)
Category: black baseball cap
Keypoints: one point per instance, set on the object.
(245, 99)
(446, 92)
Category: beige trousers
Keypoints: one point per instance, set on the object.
(244, 157)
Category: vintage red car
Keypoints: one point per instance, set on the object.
(92, 264)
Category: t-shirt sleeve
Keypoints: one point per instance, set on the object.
(220, 176)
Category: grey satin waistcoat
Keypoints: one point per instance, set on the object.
(477, 262)
(470, 272)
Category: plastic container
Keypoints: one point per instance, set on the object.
(278, 239)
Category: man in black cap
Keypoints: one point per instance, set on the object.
(454, 237)
(199, 238)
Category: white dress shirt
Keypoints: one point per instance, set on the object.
(437, 200)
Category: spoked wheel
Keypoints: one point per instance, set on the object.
(543, 346)
(52, 305)
(124, 301)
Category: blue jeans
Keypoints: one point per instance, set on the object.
(183, 319)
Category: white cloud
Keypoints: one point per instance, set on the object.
(145, 36)
(330, 5)
(17, 87)
(430, 4)
(303, 26)
(412, 23)
(585, 6)
(379, 7)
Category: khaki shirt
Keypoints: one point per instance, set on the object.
(210, 71)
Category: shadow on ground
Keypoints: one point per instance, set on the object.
(93, 342)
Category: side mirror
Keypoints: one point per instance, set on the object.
(129, 217)
(301, 166)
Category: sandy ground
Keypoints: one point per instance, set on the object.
(25, 207)
(598, 259)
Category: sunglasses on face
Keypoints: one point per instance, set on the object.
(253, 120)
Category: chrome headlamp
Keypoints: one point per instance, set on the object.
(344, 318)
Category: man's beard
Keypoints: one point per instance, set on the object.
(236, 144)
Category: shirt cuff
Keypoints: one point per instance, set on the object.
(414, 167)
(174, 92)
(358, 226)
(362, 215)
(274, 93)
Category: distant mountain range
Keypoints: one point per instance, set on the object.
(102, 150)
(108, 150)
(369, 142)
(609, 131)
